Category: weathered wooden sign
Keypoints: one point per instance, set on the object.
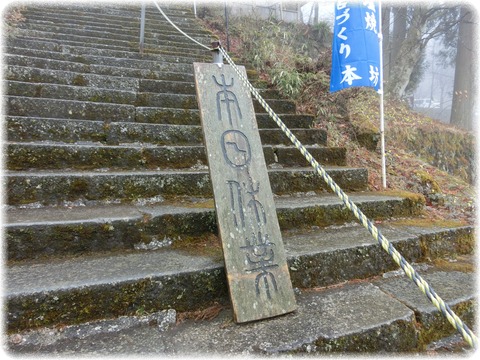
(255, 261)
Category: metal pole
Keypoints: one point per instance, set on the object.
(142, 27)
(217, 55)
(195, 8)
(382, 119)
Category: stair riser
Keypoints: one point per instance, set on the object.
(67, 92)
(177, 100)
(180, 56)
(125, 19)
(81, 93)
(126, 31)
(79, 305)
(132, 48)
(23, 129)
(56, 189)
(151, 35)
(53, 108)
(203, 287)
(88, 158)
(157, 82)
(192, 117)
(128, 67)
(31, 241)
(43, 157)
(78, 110)
(133, 43)
(77, 55)
(61, 77)
(86, 237)
(190, 102)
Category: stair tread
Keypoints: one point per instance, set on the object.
(322, 322)
(38, 275)
(138, 145)
(30, 216)
(60, 274)
(322, 315)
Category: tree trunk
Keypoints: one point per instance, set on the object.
(399, 33)
(463, 94)
(408, 54)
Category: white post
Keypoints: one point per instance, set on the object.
(382, 120)
(195, 8)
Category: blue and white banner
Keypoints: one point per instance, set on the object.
(355, 49)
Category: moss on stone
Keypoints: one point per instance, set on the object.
(427, 180)
(204, 245)
(430, 223)
(79, 80)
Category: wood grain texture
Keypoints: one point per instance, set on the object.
(255, 261)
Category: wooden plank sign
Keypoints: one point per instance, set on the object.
(255, 261)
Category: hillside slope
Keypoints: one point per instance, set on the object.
(423, 155)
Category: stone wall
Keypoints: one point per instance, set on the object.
(447, 148)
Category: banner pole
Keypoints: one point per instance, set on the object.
(382, 119)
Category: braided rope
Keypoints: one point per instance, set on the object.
(427, 290)
(177, 28)
(456, 322)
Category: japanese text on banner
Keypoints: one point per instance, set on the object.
(355, 49)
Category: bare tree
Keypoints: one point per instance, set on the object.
(425, 22)
(465, 66)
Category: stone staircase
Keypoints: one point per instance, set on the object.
(110, 216)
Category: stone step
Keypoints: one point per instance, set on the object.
(156, 115)
(28, 81)
(39, 232)
(181, 101)
(125, 19)
(76, 290)
(69, 109)
(89, 56)
(29, 129)
(109, 112)
(70, 92)
(50, 156)
(66, 131)
(127, 29)
(124, 27)
(323, 324)
(129, 18)
(23, 68)
(181, 43)
(66, 77)
(104, 66)
(18, 44)
(38, 43)
(151, 35)
(54, 187)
